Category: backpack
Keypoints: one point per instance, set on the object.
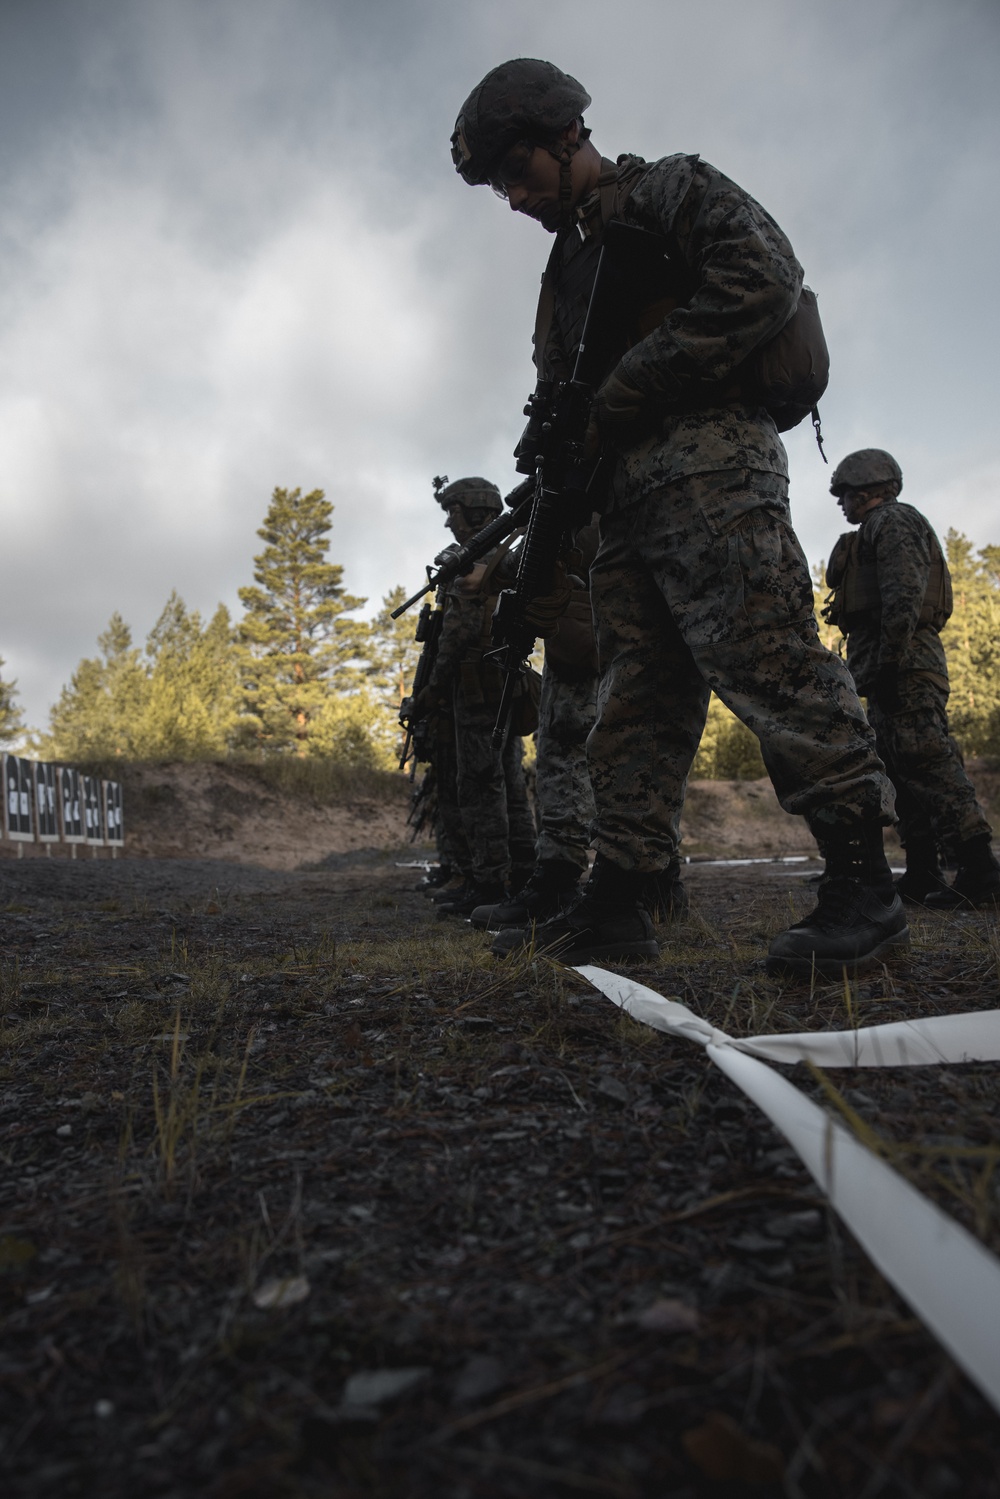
(790, 372)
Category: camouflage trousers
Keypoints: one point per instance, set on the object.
(701, 587)
(565, 800)
(499, 827)
(935, 799)
(449, 827)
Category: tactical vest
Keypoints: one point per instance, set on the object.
(852, 574)
(481, 679)
(787, 374)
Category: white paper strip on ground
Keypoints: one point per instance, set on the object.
(973, 1036)
(951, 1281)
(970, 1037)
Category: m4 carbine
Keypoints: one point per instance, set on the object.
(427, 634)
(568, 489)
(456, 561)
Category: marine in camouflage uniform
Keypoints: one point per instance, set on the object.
(566, 714)
(699, 582)
(454, 855)
(891, 597)
(563, 794)
(491, 794)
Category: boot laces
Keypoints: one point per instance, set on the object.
(838, 904)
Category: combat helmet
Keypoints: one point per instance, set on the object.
(864, 469)
(524, 99)
(472, 494)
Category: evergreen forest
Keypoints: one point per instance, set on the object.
(299, 674)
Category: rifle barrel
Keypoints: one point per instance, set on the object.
(410, 602)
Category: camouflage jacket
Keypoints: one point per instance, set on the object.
(465, 629)
(900, 541)
(739, 282)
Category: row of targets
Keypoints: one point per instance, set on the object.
(56, 804)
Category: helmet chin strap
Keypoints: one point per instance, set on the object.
(565, 159)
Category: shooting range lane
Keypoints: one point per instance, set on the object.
(949, 1279)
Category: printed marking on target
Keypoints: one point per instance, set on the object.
(18, 795)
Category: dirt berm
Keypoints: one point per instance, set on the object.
(223, 811)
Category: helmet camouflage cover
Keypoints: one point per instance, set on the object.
(866, 467)
(524, 99)
(472, 494)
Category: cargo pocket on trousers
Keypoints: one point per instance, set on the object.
(767, 579)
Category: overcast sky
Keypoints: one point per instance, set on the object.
(234, 254)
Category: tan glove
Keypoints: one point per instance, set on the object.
(544, 613)
(416, 709)
(617, 403)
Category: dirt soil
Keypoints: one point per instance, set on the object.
(303, 1194)
(224, 812)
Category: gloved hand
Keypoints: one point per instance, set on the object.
(617, 403)
(448, 554)
(414, 709)
(615, 407)
(544, 613)
(886, 689)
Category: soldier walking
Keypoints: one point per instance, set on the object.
(891, 598)
(699, 582)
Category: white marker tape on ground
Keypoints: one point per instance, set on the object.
(950, 1280)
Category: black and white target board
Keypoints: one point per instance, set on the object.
(114, 826)
(18, 794)
(71, 806)
(47, 803)
(92, 811)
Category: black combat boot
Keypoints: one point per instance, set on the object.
(459, 885)
(552, 886)
(465, 901)
(977, 883)
(664, 896)
(606, 924)
(924, 875)
(859, 919)
(519, 876)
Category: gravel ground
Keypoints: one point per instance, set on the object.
(305, 1195)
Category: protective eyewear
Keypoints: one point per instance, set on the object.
(512, 167)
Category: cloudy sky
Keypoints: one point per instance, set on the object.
(234, 255)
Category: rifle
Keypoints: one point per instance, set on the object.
(456, 561)
(423, 802)
(427, 634)
(630, 274)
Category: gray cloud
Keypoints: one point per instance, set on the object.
(233, 254)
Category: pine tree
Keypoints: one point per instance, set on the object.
(11, 717)
(972, 644)
(297, 646)
(194, 687)
(354, 728)
(394, 652)
(100, 713)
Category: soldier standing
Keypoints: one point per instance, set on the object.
(566, 713)
(699, 582)
(892, 597)
(491, 795)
